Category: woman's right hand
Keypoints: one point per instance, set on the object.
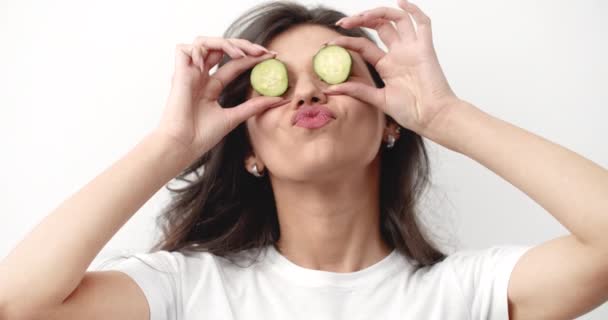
(193, 118)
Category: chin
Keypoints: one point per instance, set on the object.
(319, 165)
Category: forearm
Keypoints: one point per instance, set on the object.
(570, 187)
(49, 263)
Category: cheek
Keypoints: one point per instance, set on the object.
(266, 130)
(355, 137)
(362, 118)
(360, 133)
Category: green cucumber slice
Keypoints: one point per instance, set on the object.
(269, 78)
(332, 64)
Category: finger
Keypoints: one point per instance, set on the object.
(387, 31)
(400, 17)
(365, 47)
(204, 56)
(230, 71)
(183, 53)
(213, 59)
(250, 48)
(233, 68)
(197, 57)
(360, 91)
(239, 50)
(423, 22)
(253, 106)
(215, 43)
(385, 28)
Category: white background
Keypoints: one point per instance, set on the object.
(82, 82)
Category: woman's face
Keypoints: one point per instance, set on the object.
(350, 141)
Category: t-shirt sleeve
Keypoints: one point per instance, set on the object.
(158, 276)
(484, 276)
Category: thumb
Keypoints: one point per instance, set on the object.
(360, 91)
(252, 107)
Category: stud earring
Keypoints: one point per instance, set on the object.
(255, 172)
(391, 141)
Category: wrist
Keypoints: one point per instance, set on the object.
(447, 126)
(172, 149)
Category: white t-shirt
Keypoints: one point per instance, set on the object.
(468, 284)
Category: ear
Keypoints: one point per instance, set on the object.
(250, 160)
(392, 128)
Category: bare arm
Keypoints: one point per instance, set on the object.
(50, 262)
(571, 188)
(43, 274)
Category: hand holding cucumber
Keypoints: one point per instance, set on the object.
(193, 117)
(416, 89)
(331, 63)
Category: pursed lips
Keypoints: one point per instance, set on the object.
(311, 111)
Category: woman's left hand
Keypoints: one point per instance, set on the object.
(416, 90)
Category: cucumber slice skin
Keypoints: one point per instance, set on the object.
(332, 63)
(269, 78)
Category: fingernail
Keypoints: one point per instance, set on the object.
(260, 47)
(273, 52)
(339, 21)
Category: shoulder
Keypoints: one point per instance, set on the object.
(473, 269)
(168, 262)
(493, 257)
(470, 266)
(482, 277)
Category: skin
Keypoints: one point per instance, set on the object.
(573, 189)
(572, 268)
(325, 180)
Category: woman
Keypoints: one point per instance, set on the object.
(331, 208)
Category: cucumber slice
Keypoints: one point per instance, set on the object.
(269, 78)
(332, 63)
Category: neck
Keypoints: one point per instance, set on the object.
(331, 225)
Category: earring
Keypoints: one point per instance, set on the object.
(256, 173)
(391, 141)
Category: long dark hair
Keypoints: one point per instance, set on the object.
(223, 209)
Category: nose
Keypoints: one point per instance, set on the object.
(309, 90)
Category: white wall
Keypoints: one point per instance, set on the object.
(82, 82)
